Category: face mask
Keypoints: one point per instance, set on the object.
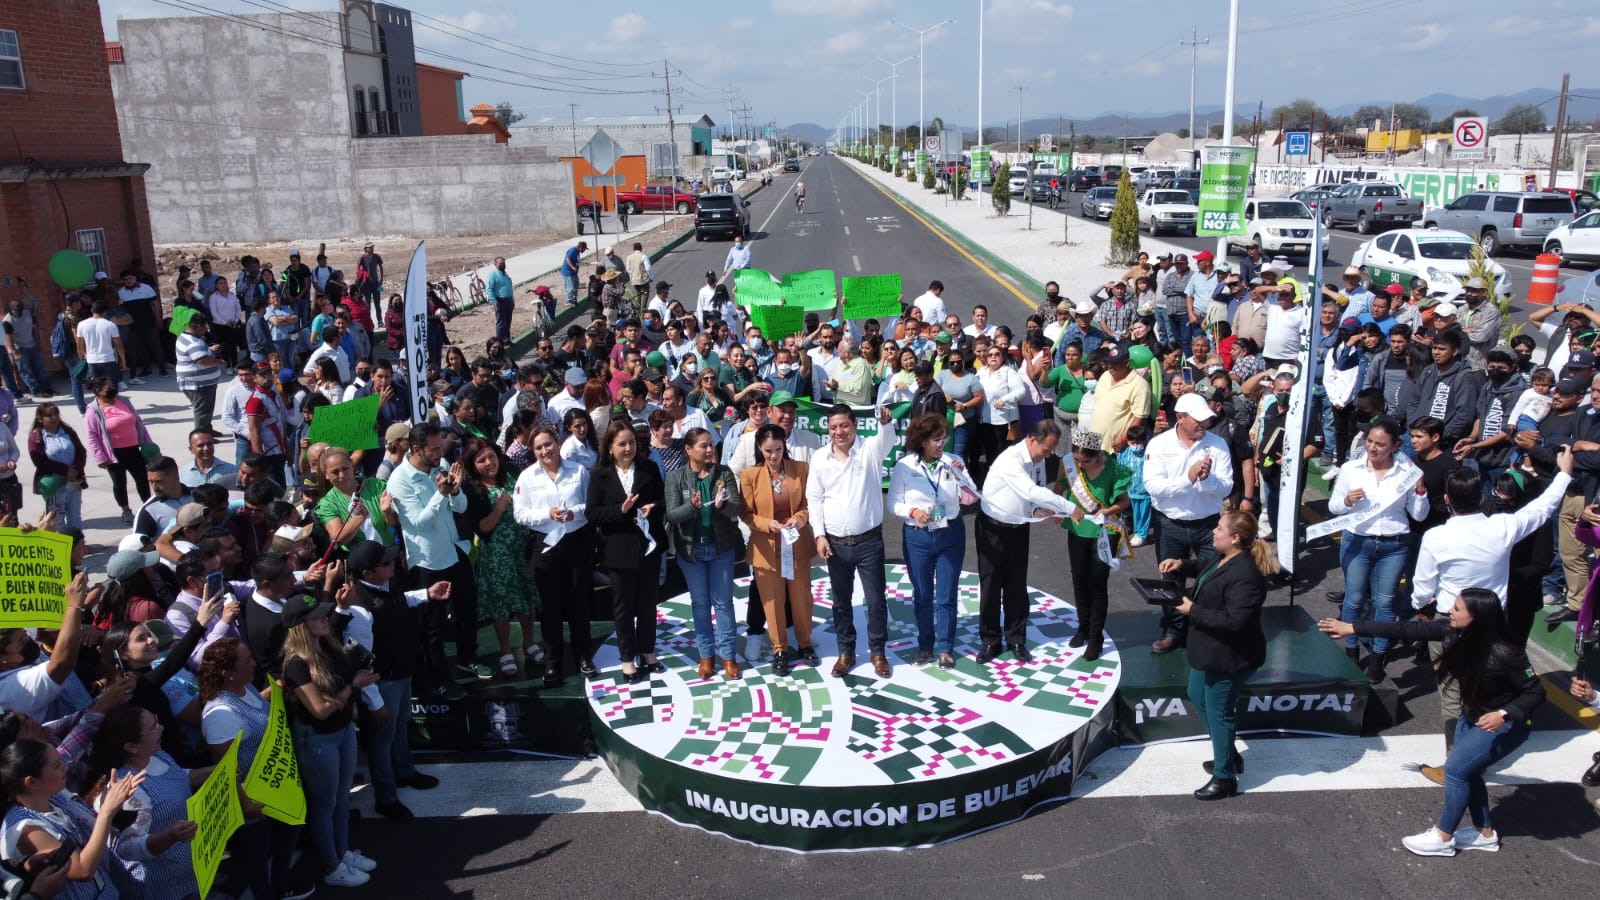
(1283, 399)
(1498, 376)
(30, 653)
(690, 370)
(785, 368)
(757, 343)
(1089, 383)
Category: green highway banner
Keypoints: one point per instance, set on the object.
(755, 287)
(981, 173)
(1224, 184)
(352, 425)
(778, 322)
(813, 291)
(871, 296)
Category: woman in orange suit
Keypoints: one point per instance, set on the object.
(774, 493)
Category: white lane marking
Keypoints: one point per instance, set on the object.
(1292, 765)
(857, 262)
(779, 205)
(847, 231)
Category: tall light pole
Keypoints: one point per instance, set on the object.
(865, 99)
(980, 75)
(1227, 111)
(1193, 43)
(894, 95)
(877, 121)
(922, 122)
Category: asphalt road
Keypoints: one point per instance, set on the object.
(1309, 844)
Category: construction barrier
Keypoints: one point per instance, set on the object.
(1546, 273)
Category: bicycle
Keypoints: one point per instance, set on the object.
(800, 203)
(478, 290)
(448, 293)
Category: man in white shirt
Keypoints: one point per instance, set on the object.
(1188, 473)
(233, 401)
(571, 398)
(226, 319)
(329, 349)
(100, 345)
(931, 302)
(738, 257)
(1014, 496)
(845, 495)
(703, 301)
(662, 301)
(674, 399)
(824, 362)
(1282, 343)
(980, 326)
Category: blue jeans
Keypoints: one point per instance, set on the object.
(389, 745)
(1372, 569)
(709, 575)
(961, 436)
(76, 383)
(33, 369)
(1215, 696)
(327, 767)
(1330, 440)
(104, 370)
(933, 559)
(571, 282)
(1179, 329)
(265, 850)
(8, 372)
(1474, 752)
(849, 560)
(286, 350)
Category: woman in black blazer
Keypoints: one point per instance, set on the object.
(1226, 643)
(624, 488)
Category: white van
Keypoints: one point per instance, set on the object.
(721, 173)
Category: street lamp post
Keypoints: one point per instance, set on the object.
(922, 122)
(894, 96)
(877, 121)
(1227, 112)
(865, 99)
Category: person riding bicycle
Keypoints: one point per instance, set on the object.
(800, 195)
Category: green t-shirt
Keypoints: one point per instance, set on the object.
(335, 507)
(1069, 388)
(1112, 482)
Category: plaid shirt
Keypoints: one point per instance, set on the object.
(1116, 318)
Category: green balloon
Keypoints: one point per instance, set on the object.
(71, 270)
(1140, 356)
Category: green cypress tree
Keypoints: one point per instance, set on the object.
(1000, 189)
(1124, 224)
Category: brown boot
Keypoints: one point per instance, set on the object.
(706, 665)
(730, 670)
(844, 664)
(880, 665)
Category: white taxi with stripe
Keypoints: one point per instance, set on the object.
(1441, 258)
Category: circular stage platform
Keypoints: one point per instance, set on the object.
(810, 762)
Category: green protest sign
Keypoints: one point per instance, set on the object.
(352, 425)
(871, 296)
(778, 322)
(216, 813)
(180, 319)
(35, 569)
(755, 287)
(274, 777)
(1224, 184)
(812, 291)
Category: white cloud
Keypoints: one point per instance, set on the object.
(1034, 10)
(845, 43)
(833, 9)
(627, 28)
(1423, 37)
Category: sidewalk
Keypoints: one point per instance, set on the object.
(1029, 258)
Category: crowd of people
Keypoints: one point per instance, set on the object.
(667, 432)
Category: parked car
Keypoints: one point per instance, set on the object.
(1018, 182)
(791, 165)
(1311, 196)
(721, 214)
(1040, 189)
(1501, 219)
(655, 198)
(1281, 227)
(1084, 178)
(1576, 241)
(1584, 200)
(1584, 289)
(1370, 205)
(1151, 177)
(1164, 209)
(1098, 203)
(1441, 257)
(1110, 174)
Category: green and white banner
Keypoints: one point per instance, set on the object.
(1224, 184)
(981, 173)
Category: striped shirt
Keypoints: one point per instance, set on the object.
(190, 350)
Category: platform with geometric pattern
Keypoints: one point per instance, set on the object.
(810, 762)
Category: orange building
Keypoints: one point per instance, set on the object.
(439, 96)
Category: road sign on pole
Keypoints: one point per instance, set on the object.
(1047, 143)
(931, 143)
(1297, 143)
(1469, 138)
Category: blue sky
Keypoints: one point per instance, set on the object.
(805, 60)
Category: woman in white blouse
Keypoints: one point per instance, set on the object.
(1003, 390)
(552, 499)
(1383, 493)
(925, 490)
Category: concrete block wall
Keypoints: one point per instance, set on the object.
(458, 185)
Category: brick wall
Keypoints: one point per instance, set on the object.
(66, 113)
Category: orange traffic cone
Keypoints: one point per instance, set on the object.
(1546, 272)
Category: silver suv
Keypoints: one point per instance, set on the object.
(1500, 219)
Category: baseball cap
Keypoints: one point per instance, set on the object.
(1572, 387)
(101, 276)
(124, 563)
(294, 254)
(369, 555)
(1116, 353)
(302, 608)
(1064, 306)
(399, 431)
(1181, 257)
(655, 359)
(135, 541)
(1287, 369)
(1164, 256)
(1352, 323)
(780, 398)
(1395, 290)
(662, 286)
(1195, 407)
(1204, 254)
(942, 337)
(1444, 309)
(576, 378)
(190, 515)
(1580, 359)
(285, 376)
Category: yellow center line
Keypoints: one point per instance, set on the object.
(1028, 303)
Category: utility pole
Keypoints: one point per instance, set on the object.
(574, 128)
(1193, 43)
(1561, 123)
(1227, 111)
(672, 125)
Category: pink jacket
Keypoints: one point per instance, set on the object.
(99, 440)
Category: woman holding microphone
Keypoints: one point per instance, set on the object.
(781, 544)
(627, 505)
(925, 489)
(552, 499)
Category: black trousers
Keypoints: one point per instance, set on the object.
(1090, 577)
(129, 461)
(463, 607)
(989, 441)
(1180, 540)
(565, 576)
(634, 593)
(1002, 580)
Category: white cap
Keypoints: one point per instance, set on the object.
(132, 542)
(1085, 308)
(1289, 369)
(1444, 309)
(1194, 406)
(1352, 270)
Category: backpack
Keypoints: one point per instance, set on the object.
(60, 340)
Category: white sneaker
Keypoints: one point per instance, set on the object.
(355, 860)
(1266, 529)
(1473, 839)
(1428, 844)
(122, 385)
(345, 876)
(136, 380)
(1136, 541)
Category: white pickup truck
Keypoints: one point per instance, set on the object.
(1166, 209)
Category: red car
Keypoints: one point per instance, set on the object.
(655, 198)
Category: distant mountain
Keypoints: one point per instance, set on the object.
(809, 132)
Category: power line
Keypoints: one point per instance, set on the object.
(535, 52)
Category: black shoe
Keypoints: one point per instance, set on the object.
(449, 691)
(420, 781)
(552, 674)
(924, 657)
(1238, 764)
(656, 668)
(808, 655)
(298, 891)
(586, 668)
(780, 663)
(1354, 653)
(1564, 614)
(1019, 652)
(1375, 668)
(1092, 652)
(1218, 789)
(394, 812)
(1335, 597)
(947, 661)
(1078, 640)
(1591, 777)
(988, 653)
